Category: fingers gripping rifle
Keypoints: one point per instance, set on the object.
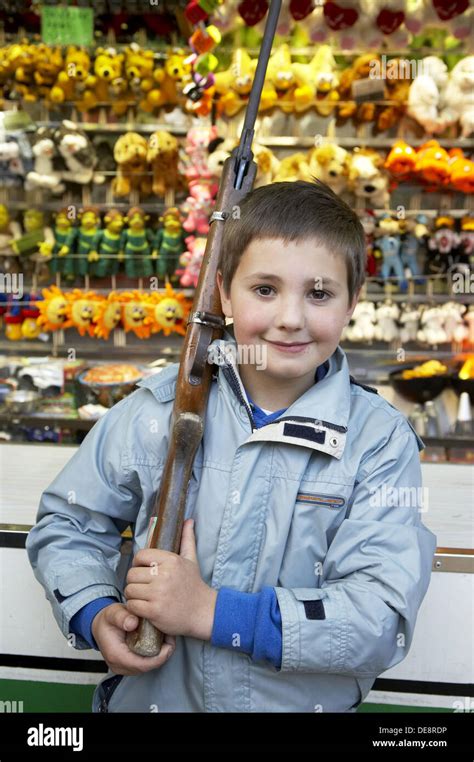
(205, 324)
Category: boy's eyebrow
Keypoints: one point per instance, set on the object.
(309, 282)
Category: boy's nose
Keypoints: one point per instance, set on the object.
(290, 315)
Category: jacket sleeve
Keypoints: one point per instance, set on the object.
(74, 548)
(360, 621)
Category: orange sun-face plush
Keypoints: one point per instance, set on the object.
(53, 309)
(109, 314)
(136, 314)
(170, 312)
(83, 307)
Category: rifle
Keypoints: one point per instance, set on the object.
(205, 324)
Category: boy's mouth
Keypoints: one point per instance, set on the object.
(289, 346)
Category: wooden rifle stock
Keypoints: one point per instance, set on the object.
(206, 323)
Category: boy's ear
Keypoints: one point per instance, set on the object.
(225, 300)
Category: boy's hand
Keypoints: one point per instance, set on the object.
(110, 627)
(168, 590)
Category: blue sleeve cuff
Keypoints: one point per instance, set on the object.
(81, 622)
(249, 623)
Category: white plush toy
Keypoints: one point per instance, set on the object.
(330, 163)
(386, 328)
(426, 92)
(432, 331)
(455, 328)
(459, 96)
(469, 320)
(409, 320)
(363, 328)
(44, 175)
(367, 179)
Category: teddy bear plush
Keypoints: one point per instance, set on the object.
(362, 326)
(293, 167)
(426, 93)
(142, 76)
(432, 331)
(459, 97)
(330, 163)
(409, 321)
(367, 178)
(170, 79)
(74, 82)
(130, 153)
(386, 328)
(348, 108)
(192, 261)
(162, 156)
(108, 81)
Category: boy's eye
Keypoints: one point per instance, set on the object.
(319, 295)
(267, 288)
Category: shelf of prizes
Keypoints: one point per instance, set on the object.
(113, 137)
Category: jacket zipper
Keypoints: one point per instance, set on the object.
(231, 376)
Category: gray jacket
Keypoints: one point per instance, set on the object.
(323, 505)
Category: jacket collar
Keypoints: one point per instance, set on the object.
(318, 419)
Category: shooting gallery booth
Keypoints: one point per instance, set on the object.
(115, 126)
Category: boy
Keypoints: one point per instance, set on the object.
(301, 584)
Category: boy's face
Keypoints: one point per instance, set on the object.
(296, 313)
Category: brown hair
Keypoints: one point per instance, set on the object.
(296, 211)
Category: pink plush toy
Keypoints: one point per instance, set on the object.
(192, 260)
(194, 163)
(198, 206)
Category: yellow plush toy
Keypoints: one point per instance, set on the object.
(110, 85)
(171, 79)
(130, 153)
(74, 83)
(317, 82)
(330, 163)
(136, 309)
(280, 82)
(162, 156)
(294, 167)
(53, 309)
(142, 76)
(83, 310)
(169, 311)
(234, 84)
(108, 316)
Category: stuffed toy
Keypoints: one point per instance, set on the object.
(108, 315)
(316, 83)
(426, 94)
(142, 76)
(49, 62)
(413, 232)
(432, 165)
(467, 237)
(191, 260)
(432, 331)
(136, 244)
(194, 162)
(401, 161)
(461, 171)
(53, 309)
(82, 311)
(453, 323)
(362, 326)
(35, 231)
(30, 330)
(136, 309)
(198, 206)
(234, 84)
(345, 19)
(448, 16)
(74, 83)
(397, 86)
(77, 159)
(459, 97)
(369, 224)
(267, 165)
(57, 252)
(367, 179)
(169, 312)
(348, 108)
(130, 153)
(469, 320)
(171, 79)
(87, 240)
(293, 167)
(386, 316)
(385, 23)
(169, 242)
(443, 246)
(23, 62)
(388, 242)
(162, 157)
(280, 82)
(16, 157)
(218, 151)
(109, 84)
(330, 163)
(108, 245)
(9, 231)
(409, 321)
(44, 175)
